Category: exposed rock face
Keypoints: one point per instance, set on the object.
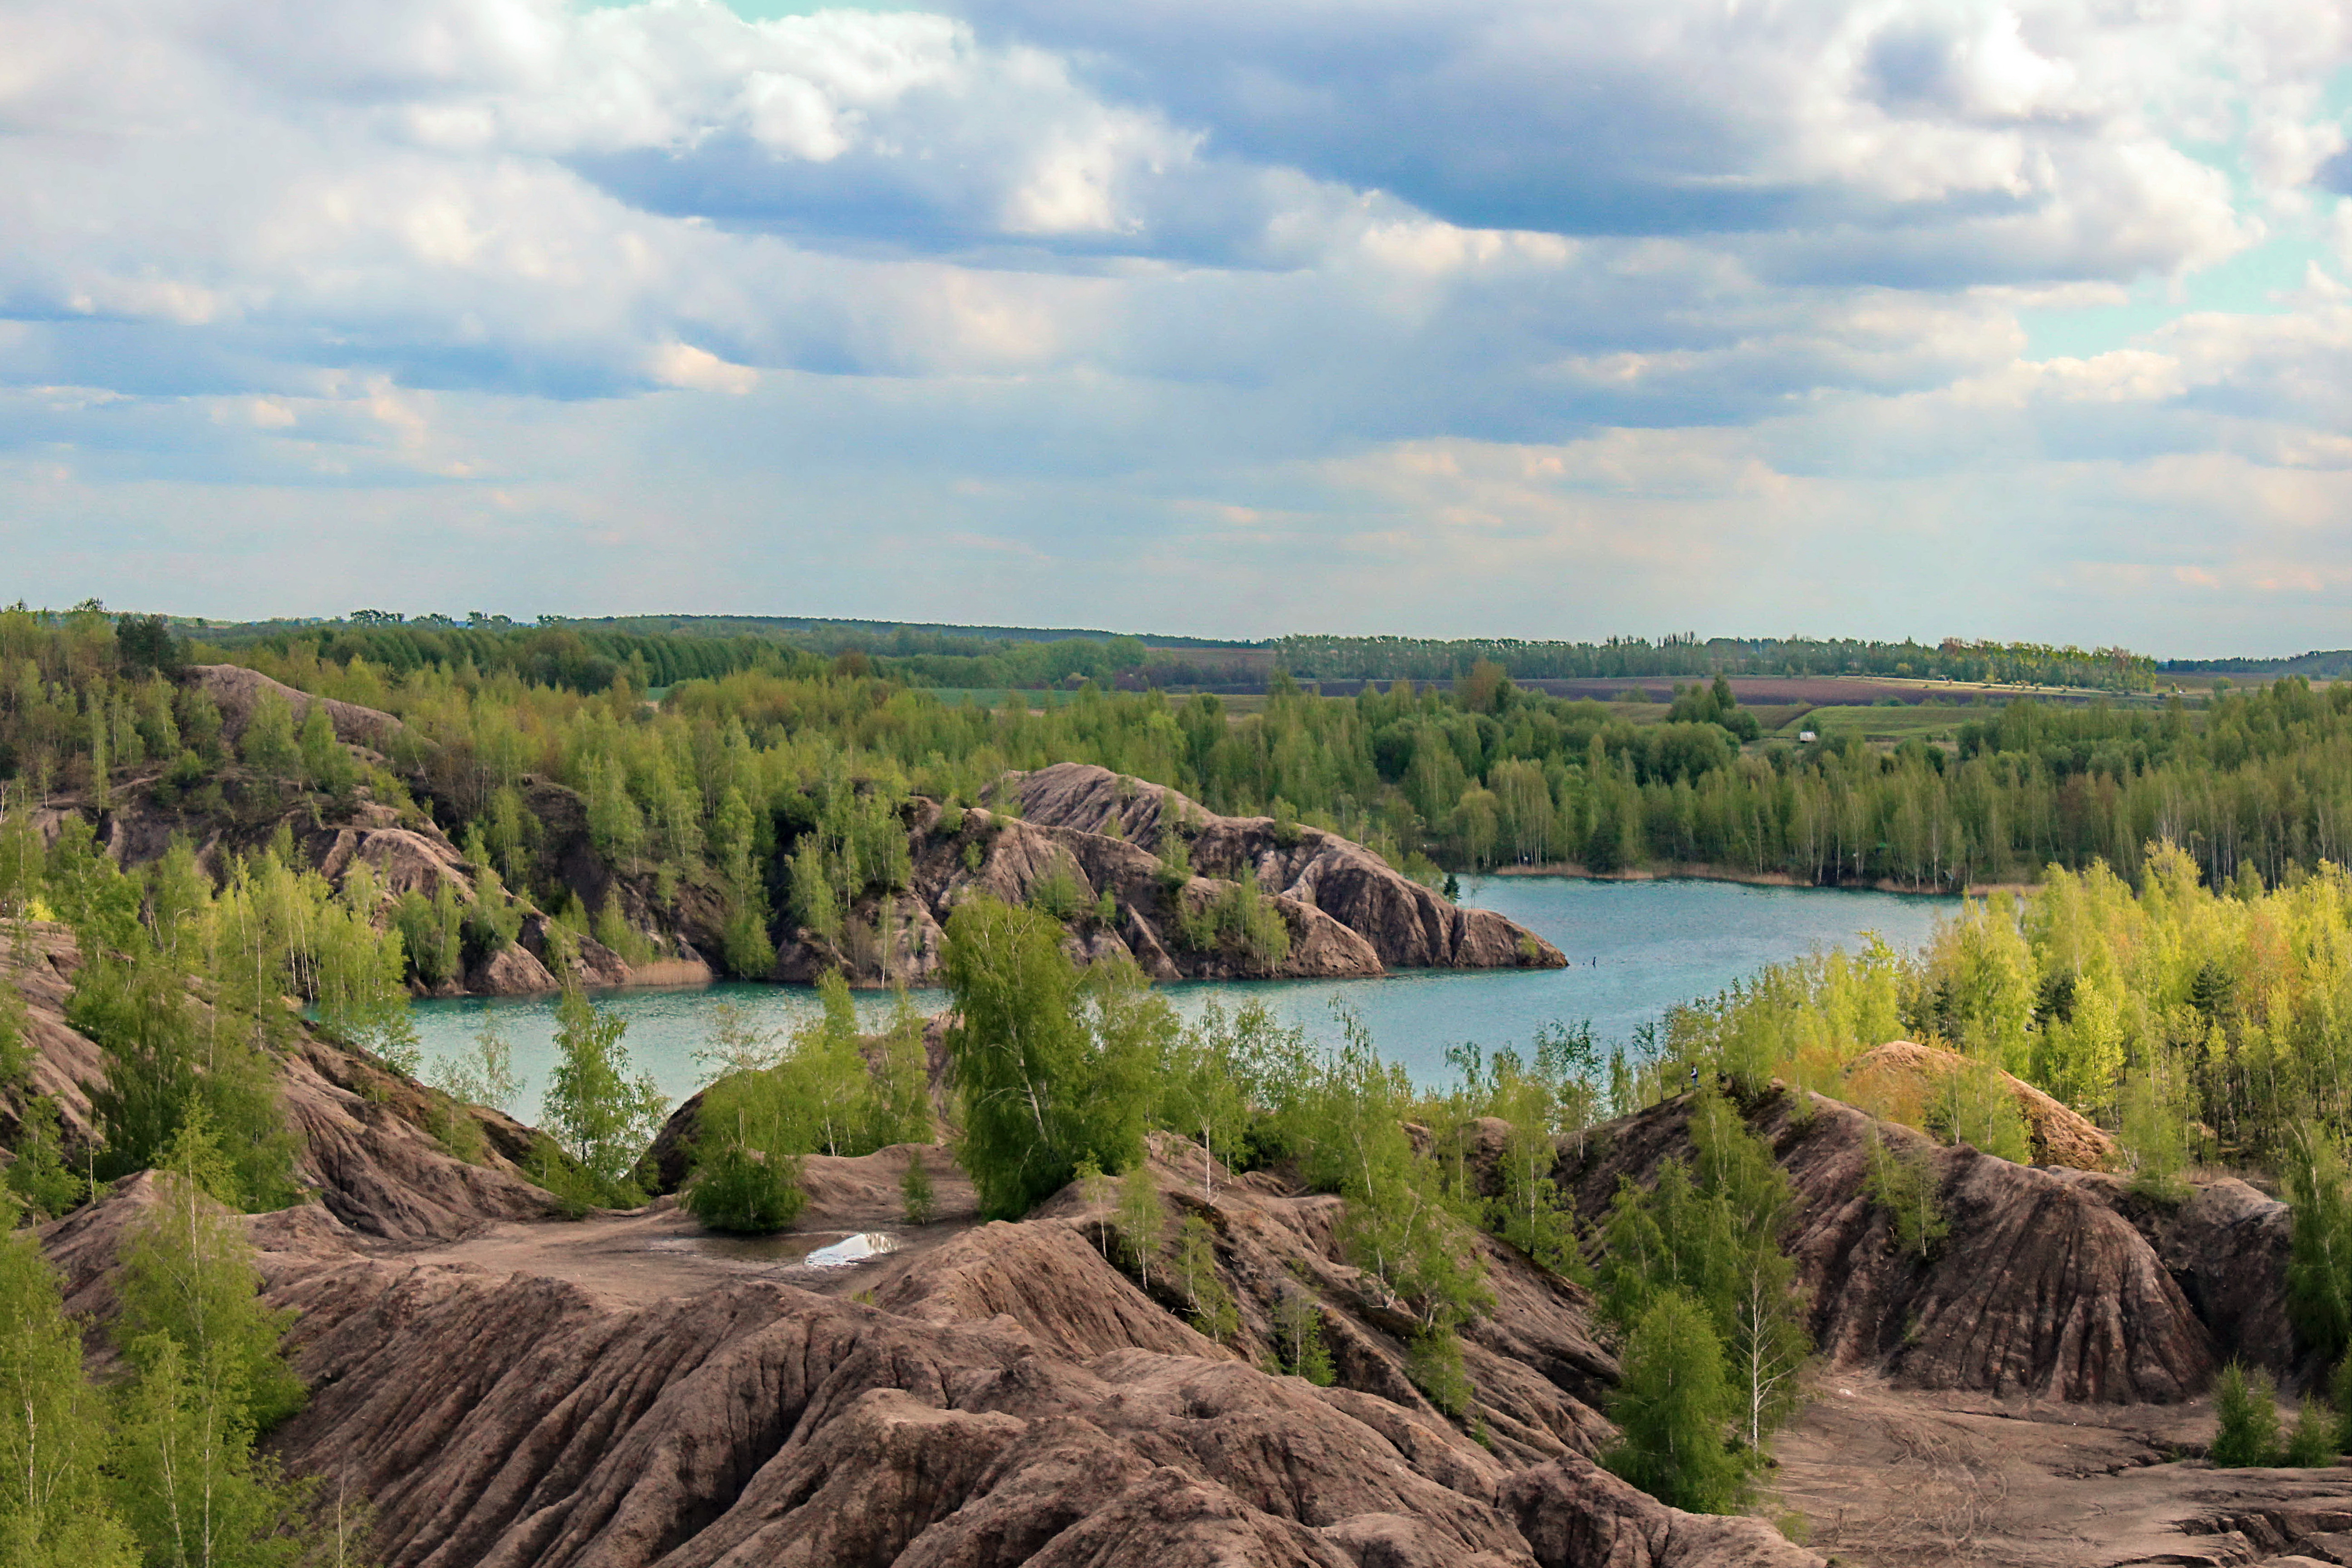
(2226, 1247)
(365, 1150)
(2040, 1289)
(1008, 1397)
(236, 691)
(1094, 832)
(1902, 1070)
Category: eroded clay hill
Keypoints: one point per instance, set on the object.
(2053, 1282)
(1089, 832)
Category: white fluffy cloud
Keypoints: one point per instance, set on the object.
(1319, 314)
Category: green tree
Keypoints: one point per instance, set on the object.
(2316, 1437)
(55, 1511)
(1211, 1304)
(268, 745)
(915, 1190)
(2319, 1256)
(601, 1115)
(1051, 1065)
(1141, 1218)
(1904, 1183)
(1671, 1408)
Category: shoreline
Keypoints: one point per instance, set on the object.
(1703, 873)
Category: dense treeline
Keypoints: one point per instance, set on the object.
(772, 788)
(1486, 775)
(1416, 658)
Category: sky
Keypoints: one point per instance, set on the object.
(1527, 318)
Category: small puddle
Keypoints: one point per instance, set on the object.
(852, 1249)
(809, 1249)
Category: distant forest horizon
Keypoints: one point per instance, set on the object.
(1175, 660)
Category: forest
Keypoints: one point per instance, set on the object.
(767, 781)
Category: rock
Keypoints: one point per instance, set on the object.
(510, 972)
(1095, 833)
(1405, 924)
(2227, 1247)
(1902, 1072)
(236, 690)
(1573, 1513)
(2041, 1288)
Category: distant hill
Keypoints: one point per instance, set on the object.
(831, 635)
(2331, 665)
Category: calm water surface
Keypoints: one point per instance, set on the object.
(1635, 949)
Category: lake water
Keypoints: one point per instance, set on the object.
(1634, 949)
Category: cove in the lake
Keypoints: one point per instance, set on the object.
(1634, 949)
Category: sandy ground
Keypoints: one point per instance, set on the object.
(855, 1217)
(1886, 1476)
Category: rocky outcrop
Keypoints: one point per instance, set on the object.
(1088, 840)
(2040, 1289)
(1901, 1073)
(237, 691)
(366, 1148)
(1010, 1396)
(1406, 925)
(2226, 1246)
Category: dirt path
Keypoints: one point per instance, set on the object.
(856, 1219)
(1886, 1478)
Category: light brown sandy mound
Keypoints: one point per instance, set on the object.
(1900, 1072)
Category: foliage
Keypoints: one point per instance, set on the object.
(1298, 1336)
(1904, 1183)
(1051, 1065)
(2319, 1257)
(600, 1115)
(485, 1074)
(2245, 1410)
(2155, 1133)
(1670, 1406)
(916, 1192)
(736, 1188)
(39, 1175)
(54, 1508)
(1141, 1219)
(1433, 1362)
(1205, 1293)
(2315, 1440)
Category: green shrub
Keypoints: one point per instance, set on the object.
(1298, 1337)
(2245, 1407)
(745, 1191)
(915, 1188)
(1903, 1186)
(1059, 895)
(1671, 1406)
(1433, 1362)
(2313, 1443)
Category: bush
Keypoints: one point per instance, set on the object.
(1903, 1186)
(2246, 1408)
(745, 1191)
(2313, 1442)
(1433, 1362)
(1059, 895)
(1298, 1337)
(915, 1188)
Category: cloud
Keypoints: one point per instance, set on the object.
(1405, 312)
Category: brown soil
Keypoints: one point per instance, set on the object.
(1892, 1478)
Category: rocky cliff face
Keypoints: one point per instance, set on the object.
(2042, 1287)
(1079, 833)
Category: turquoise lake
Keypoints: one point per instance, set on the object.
(1635, 949)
